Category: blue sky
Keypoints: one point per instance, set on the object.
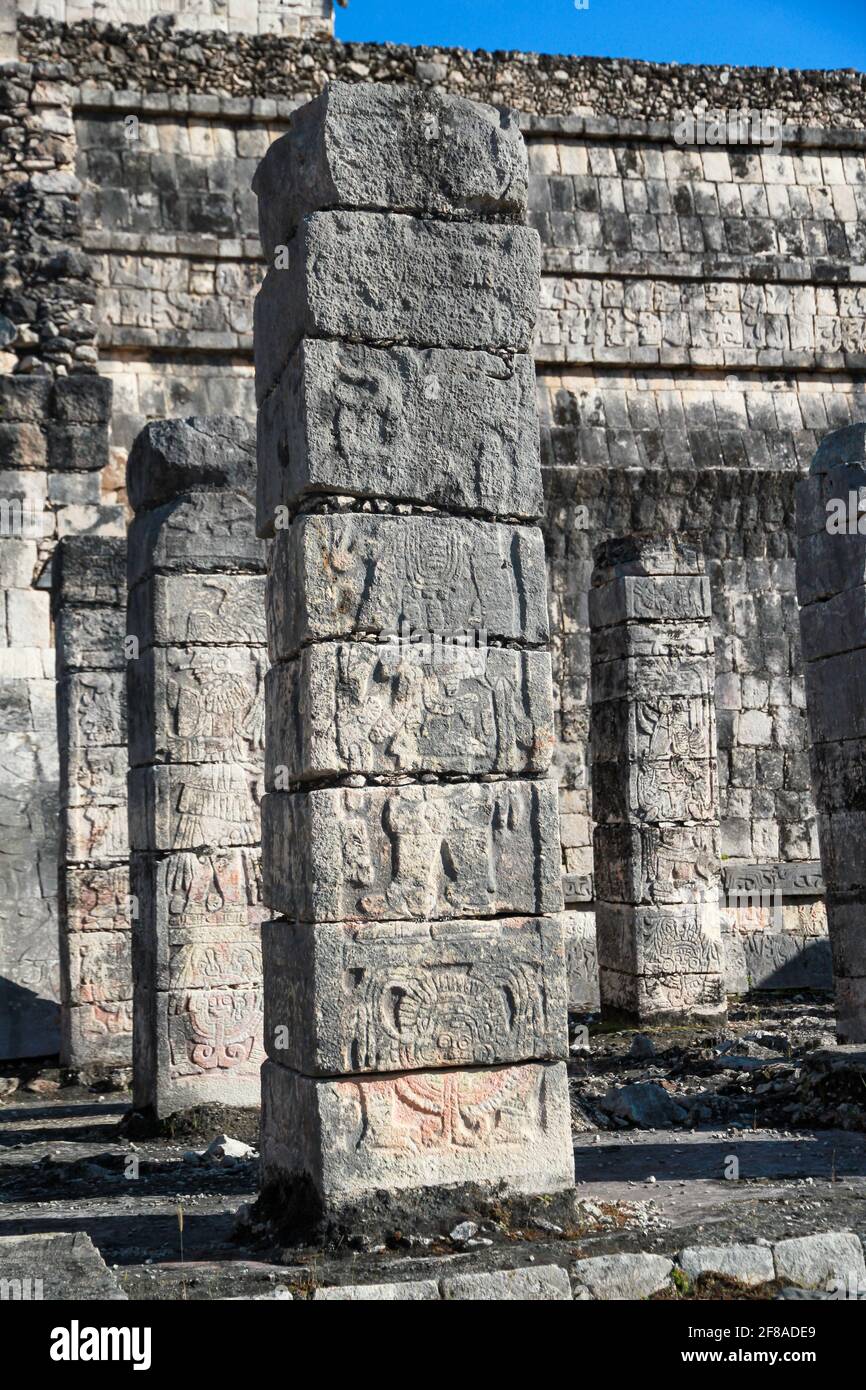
(776, 33)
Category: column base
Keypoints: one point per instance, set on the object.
(650, 999)
(334, 1148)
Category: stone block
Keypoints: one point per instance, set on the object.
(66, 1266)
(96, 832)
(834, 626)
(197, 1047)
(748, 1264)
(656, 865)
(396, 996)
(438, 284)
(681, 642)
(850, 1010)
(407, 149)
(92, 774)
(675, 940)
(828, 565)
(452, 429)
(634, 678)
(202, 533)
(847, 923)
(832, 1259)
(839, 768)
(196, 704)
(24, 398)
(98, 1033)
(360, 707)
(651, 556)
(171, 457)
(581, 960)
(541, 1284)
(90, 572)
(655, 792)
(90, 638)
(97, 899)
(82, 399)
(173, 609)
(100, 966)
(360, 574)
(841, 835)
(198, 919)
(650, 599)
(188, 807)
(350, 1137)
(432, 851)
(648, 998)
(22, 445)
(834, 697)
(92, 710)
(623, 1276)
(651, 727)
(82, 448)
(409, 1291)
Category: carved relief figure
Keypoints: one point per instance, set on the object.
(448, 1110)
(215, 1028)
(216, 712)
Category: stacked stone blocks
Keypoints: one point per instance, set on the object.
(655, 782)
(95, 959)
(415, 997)
(196, 733)
(831, 590)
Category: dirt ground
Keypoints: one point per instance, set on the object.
(727, 1137)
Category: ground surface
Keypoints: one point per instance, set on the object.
(651, 1176)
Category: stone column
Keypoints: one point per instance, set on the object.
(831, 591)
(196, 733)
(415, 1009)
(655, 783)
(96, 971)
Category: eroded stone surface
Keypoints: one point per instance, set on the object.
(356, 574)
(375, 146)
(399, 996)
(452, 429)
(394, 708)
(438, 284)
(385, 853)
(354, 1135)
(655, 781)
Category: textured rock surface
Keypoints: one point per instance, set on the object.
(464, 993)
(438, 284)
(748, 1264)
(655, 782)
(65, 1267)
(388, 708)
(455, 429)
(623, 1276)
(424, 1129)
(196, 756)
(355, 574)
(384, 853)
(96, 966)
(830, 573)
(362, 146)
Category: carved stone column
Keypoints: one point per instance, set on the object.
(831, 590)
(415, 1007)
(655, 782)
(196, 736)
(96, 971)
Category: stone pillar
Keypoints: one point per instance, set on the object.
(831, 591)
(196, 634)
(96, 971)
(655, 783)
(415, 1009)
